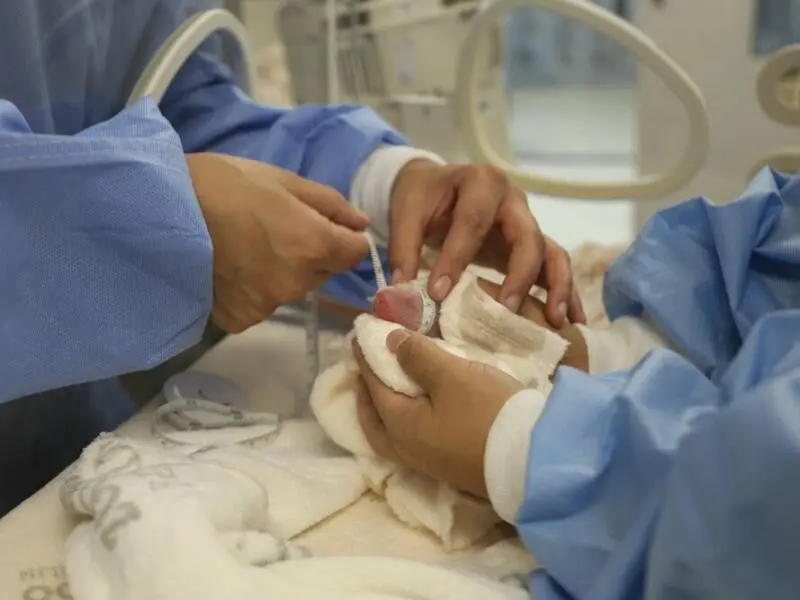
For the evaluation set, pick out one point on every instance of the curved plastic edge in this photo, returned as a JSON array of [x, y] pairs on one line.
[[176, 50], [631, 38]]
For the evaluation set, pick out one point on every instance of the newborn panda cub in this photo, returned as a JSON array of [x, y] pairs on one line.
[[409, 305]]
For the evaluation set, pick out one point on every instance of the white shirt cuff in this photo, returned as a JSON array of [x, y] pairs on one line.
[[372, 186], [506, 456], [620, 346]]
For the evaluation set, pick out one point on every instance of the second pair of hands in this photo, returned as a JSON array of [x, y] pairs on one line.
[[444, 432], [276, 235]]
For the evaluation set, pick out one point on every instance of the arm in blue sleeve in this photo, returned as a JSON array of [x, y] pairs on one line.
[[659, 485], [105, 261], [704, 274], [675, 481], [325, 143]]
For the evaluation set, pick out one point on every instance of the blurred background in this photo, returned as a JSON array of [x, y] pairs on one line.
[[557, 97]]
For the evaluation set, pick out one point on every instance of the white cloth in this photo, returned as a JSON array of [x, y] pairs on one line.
[[170, 524], [159, 550], [473, 326]]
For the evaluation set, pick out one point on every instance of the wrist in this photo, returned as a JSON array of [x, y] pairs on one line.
[[506, 454], [375, 182]]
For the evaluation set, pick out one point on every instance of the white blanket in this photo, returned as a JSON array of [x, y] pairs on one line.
[[173, 523], [167, 522]]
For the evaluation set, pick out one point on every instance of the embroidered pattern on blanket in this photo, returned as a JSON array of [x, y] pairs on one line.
[[167, 526], [473, 326]]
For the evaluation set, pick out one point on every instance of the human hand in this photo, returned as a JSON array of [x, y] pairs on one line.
[[276, 235], [474, 214], [442, 434]]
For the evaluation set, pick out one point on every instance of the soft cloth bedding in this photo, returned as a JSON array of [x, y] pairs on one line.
[[168, 523], [295, 515]]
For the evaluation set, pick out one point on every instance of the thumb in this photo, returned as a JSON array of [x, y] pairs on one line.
[[420, 358], [326, 201]]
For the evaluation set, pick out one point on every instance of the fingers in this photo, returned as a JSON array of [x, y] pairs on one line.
[[371, 424], [526, 249], [345, 249], [576, 313], [327, 202], [556, 278], [479, 199], [405, 242], [370, 379], [414, 199], [422, 360], [531, 308], [396, 411], [327, 247], [336, 243]]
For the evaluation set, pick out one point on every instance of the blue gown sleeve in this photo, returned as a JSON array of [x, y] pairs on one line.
[[325, 143], [105, 261], [676, 480]]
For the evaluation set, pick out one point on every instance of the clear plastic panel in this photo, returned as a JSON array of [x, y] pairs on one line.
[[777, 24], [575, 99]]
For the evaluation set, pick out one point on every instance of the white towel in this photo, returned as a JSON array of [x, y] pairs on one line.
[[165, 526], [165, 522], [473, 326]]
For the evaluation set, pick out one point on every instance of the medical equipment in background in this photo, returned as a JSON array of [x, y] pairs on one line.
[[272, 85], [184, 41], [754, 99], [398, 57], [479, 144], [371, 53], [434, 70]]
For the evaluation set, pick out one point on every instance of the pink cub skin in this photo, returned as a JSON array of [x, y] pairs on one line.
[[401, 304]]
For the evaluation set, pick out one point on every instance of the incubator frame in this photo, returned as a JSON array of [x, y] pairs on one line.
[[628, 36]]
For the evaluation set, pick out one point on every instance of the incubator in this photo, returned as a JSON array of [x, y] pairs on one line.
[[433, 69], [736, 80], [745, 64], [399, 57], [390, 54]]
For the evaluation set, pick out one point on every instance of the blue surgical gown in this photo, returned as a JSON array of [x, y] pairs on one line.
[[105, 261], [680, 479]]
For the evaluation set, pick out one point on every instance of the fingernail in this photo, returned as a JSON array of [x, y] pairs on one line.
[[395, 339], [441, 288], [361, 218], [397, 276], [512, 303], [562, 309]]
